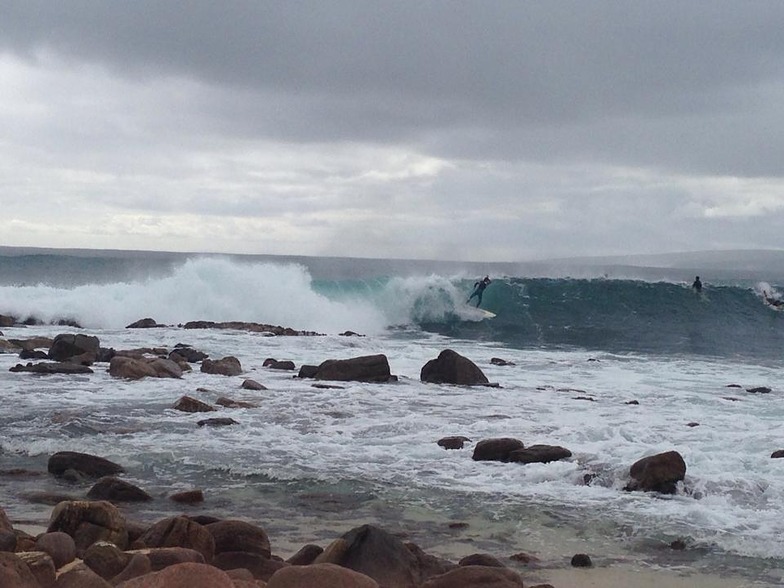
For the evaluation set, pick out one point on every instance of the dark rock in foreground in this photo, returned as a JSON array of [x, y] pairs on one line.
[[452, 368]]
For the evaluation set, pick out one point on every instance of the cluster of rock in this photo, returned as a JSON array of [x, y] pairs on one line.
[[92, 545], [150, 323], [10, 321]]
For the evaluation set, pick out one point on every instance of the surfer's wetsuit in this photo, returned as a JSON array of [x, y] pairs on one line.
[[479, 288]]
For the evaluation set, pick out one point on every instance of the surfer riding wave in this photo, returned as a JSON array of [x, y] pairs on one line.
[[479, 288]]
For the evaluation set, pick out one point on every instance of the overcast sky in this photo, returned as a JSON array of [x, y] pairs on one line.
[[481, 131]]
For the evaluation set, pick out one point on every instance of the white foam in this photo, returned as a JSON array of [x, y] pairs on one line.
[[387, 433]]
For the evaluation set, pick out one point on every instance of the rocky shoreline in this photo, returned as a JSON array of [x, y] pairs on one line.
[[176, 550]]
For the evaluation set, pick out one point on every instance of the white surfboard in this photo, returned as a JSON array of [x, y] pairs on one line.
[[479, 313]]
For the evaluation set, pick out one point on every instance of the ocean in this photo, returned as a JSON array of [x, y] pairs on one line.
[[310, 463]]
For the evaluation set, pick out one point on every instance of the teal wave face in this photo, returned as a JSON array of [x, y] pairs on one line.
[[627, 316]]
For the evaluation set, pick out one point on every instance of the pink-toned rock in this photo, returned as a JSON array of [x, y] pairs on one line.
[[134, 369], [233, 535], [42, 567], [227, 366], [320, 575], [376, 553], [138, 565], [81, 577], [88, 522], [185, 575], [260, 567], [14, 573], [60, 547], [190, 404], [476, 577], [180, 532], [163, 557]]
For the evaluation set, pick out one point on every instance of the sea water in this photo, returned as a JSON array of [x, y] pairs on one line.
[[310, 463]]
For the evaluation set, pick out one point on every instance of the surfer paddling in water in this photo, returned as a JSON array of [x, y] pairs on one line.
[[479, 288]]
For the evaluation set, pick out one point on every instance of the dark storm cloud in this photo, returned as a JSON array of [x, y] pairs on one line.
[[691, 86]]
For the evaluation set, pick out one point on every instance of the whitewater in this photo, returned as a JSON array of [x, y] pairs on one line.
[[614, 369]]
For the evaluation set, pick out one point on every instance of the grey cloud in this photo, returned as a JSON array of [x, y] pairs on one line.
[[612, 81]]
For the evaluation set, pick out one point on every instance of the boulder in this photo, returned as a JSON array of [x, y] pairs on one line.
[[499, 361], [227, 366], [163, 557], [657, 473], [454, 442], [188, 497], [184, 575], [233, 535], [452, 368], [231, 403], [48, 367], [252, 385], [306, 555], [88, 522], [14, 573], [778, 454], [132, 368], [81, 577], [116, 490], [260, 567], [372, 551], [324, 575], [275, 364], [66, 346], [190, 404], [88, 465], [581, 560], [33, 354], [106, 559], [59, 546], [368, 368], [539, 454], [217, 422], [480, 559], [138, 565], [180, 532], [308, 371], [8, 540], [145, 323], [476, 577], [496, 449], [9, 347], [7, 321], [41, 565], [188, 353]]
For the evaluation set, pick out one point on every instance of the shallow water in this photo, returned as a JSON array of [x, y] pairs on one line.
[[310, 463]]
